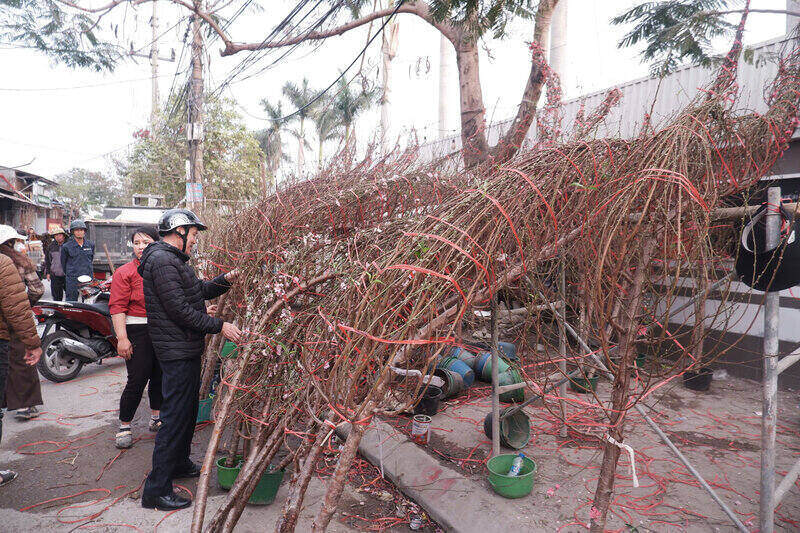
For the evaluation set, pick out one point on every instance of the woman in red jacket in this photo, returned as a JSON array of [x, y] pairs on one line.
[[133, 340]]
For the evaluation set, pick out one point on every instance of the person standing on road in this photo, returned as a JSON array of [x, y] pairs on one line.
[[52, 263], [16, 318], [129, 316], [23, 391], [178, 323], [77, 255]]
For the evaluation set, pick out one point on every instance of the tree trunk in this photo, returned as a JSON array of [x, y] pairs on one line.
[[297, 490], [301, 157], [630, 319], [336, 484], [473, 113], [511, 141]]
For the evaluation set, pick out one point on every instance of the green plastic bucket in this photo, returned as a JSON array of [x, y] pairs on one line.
[[204, 409], [510, 486], [511, 377], [640, 361], [267, 487], [515, 430], [229, 350], [226, 475], [484, 366], [583, 385]]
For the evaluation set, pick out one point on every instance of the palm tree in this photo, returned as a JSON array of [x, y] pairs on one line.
[[349, 104], [302, 98], [270, 139], [328, 126]]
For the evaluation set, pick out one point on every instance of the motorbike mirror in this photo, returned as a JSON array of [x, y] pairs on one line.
[[84, 279]]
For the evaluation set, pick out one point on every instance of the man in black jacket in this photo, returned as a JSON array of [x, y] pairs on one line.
[[178, 323]]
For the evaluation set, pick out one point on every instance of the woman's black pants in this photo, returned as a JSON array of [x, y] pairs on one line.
[[142, 367]]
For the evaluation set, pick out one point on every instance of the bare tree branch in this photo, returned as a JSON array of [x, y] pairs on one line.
[[108, 7], [773, 11], [416, 8]]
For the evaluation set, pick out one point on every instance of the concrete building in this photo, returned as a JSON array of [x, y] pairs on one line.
[[28, 200]]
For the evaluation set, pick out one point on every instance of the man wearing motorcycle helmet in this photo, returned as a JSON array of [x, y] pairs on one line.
[[178, 323], [16, 319], [77, 255]]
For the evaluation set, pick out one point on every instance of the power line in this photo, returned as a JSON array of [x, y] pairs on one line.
[[74, 87], [353, 62], [252, 56]]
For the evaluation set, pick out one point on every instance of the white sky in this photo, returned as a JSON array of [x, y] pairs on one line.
[[63, 118]]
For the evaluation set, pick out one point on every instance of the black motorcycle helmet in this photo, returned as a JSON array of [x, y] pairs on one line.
[[77, 224], [172, 219]]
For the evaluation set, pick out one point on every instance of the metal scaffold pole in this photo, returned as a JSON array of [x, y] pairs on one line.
[[769, 407], [495, 378]]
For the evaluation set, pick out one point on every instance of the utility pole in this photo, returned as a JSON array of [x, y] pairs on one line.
[[389, 44], [194, 126], [446, 54], [154, 59], [154, 66]]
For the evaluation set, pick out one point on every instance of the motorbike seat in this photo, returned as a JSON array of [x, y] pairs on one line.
[[98, 307]]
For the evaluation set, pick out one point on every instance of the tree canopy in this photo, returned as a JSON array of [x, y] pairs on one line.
[[677, 32], [67, 36], [232, 157], [82, 189]]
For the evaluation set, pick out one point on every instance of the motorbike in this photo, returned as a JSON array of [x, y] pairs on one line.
[[76, 333]]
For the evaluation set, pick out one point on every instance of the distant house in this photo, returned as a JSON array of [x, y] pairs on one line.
[[29, 201]]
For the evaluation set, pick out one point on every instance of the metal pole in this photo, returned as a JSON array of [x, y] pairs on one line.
[[495, 382], [195, 112], [769, 405], [562, 347], [657, 429], [787, 483]]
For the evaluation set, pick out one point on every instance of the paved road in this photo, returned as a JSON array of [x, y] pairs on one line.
[[67, 457]]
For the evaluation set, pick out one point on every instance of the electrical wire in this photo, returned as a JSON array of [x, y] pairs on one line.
[[353, 62], [76, 87]]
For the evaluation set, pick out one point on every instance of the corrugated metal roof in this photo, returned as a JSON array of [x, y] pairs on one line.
[[666, 96]]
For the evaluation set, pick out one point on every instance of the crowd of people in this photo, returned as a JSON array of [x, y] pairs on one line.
[[160, 317]]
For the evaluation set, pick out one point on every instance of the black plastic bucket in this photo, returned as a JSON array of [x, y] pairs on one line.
[[453, 383], [700, 380], [429, 403]]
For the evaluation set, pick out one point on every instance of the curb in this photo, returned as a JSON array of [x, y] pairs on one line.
[[455, 501]]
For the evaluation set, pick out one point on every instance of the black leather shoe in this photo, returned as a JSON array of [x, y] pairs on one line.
[[191, 471], [170, 502]]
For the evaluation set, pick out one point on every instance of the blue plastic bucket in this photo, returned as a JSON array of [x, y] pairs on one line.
[[463, 355], [459, 367], [509, 349]]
